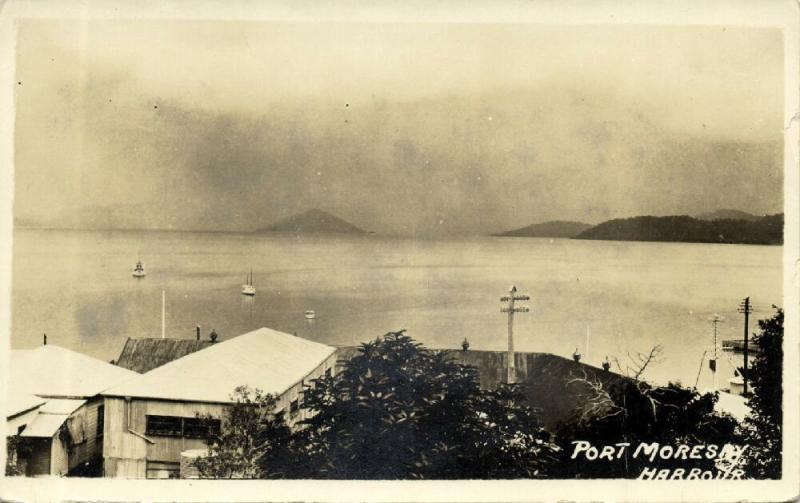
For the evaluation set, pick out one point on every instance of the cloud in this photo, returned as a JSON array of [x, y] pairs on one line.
[[134, 125]]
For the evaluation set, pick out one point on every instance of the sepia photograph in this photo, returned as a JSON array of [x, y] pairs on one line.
[[381, 247]]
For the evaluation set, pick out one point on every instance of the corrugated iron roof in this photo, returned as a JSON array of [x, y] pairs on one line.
[[18, 402], [266, 359], [61, 406], [52, 371], [44, 425], [50, 416], [143, 355]]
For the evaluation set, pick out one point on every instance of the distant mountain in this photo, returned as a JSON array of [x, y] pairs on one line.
[[552, 229], [314, 221], [728, 215], [766, 230]]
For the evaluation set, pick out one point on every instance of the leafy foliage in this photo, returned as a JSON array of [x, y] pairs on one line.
[[635, 412], [253, 442], [17, 451], [400, 411], [763, 428]]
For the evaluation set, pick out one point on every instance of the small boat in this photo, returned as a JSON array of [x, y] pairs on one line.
[[310, 315], [249, 288], [138, 270]]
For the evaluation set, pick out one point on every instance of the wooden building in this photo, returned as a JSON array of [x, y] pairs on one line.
[[152, 419], [50, 418]]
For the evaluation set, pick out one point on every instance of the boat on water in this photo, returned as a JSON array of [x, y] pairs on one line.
[[138, 270], [248, 288], [310, 315]]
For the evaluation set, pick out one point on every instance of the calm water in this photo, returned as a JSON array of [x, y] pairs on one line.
[[77, 287]]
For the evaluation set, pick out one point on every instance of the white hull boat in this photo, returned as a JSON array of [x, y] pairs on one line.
[[249, 288]]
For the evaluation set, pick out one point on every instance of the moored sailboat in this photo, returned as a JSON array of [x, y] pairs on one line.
[[248, 288], [138, 270]]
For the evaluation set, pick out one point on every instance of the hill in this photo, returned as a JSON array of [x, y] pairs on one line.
[[766, 230], [551, 229], [313, 221], [728, 215]]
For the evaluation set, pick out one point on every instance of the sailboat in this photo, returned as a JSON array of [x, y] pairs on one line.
[[138, 270], [249, 288]]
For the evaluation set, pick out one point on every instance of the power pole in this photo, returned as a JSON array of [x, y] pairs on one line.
[[163, 313], [511, 298], [715, 320], [745, 308]]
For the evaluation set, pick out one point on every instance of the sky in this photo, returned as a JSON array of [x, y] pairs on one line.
[[421, 129]]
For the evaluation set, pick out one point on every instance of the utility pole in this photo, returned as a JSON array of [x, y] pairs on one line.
[[745, 308], [511, 298], [163, 313], [713, 363]]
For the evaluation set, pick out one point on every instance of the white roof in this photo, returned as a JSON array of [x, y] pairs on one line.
[[19, 402], [51, 371], [50, 416], [265, 359], [44, 425]]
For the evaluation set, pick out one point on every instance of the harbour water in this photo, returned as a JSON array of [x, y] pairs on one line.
[[602, 298]]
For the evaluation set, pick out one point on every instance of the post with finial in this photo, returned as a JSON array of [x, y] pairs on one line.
[[511, 298]]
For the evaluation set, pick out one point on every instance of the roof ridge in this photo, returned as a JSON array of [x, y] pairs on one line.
[[232, 359]]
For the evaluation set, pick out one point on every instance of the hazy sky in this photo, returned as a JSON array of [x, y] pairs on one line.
[[420, 128]]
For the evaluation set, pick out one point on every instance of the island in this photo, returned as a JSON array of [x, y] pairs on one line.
[[551, 229], [726, 214], [313, 221], [767, 230]]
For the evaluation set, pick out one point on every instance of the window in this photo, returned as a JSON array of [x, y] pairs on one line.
[[163, 470], [189, 427], [164, 425], [101, 420], [294, 407], [328, 372], [196, 427]]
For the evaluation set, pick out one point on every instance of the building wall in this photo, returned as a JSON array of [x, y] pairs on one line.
[[296, 391], [128, 455], [59, 458], [38, 463], [14, 423], [87, 440]]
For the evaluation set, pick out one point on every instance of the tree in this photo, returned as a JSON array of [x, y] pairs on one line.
[[17, 451], [398, 410], [636, 412], [763, 429], [252, 442]]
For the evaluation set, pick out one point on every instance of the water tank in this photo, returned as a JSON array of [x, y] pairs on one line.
[[188, 470]]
